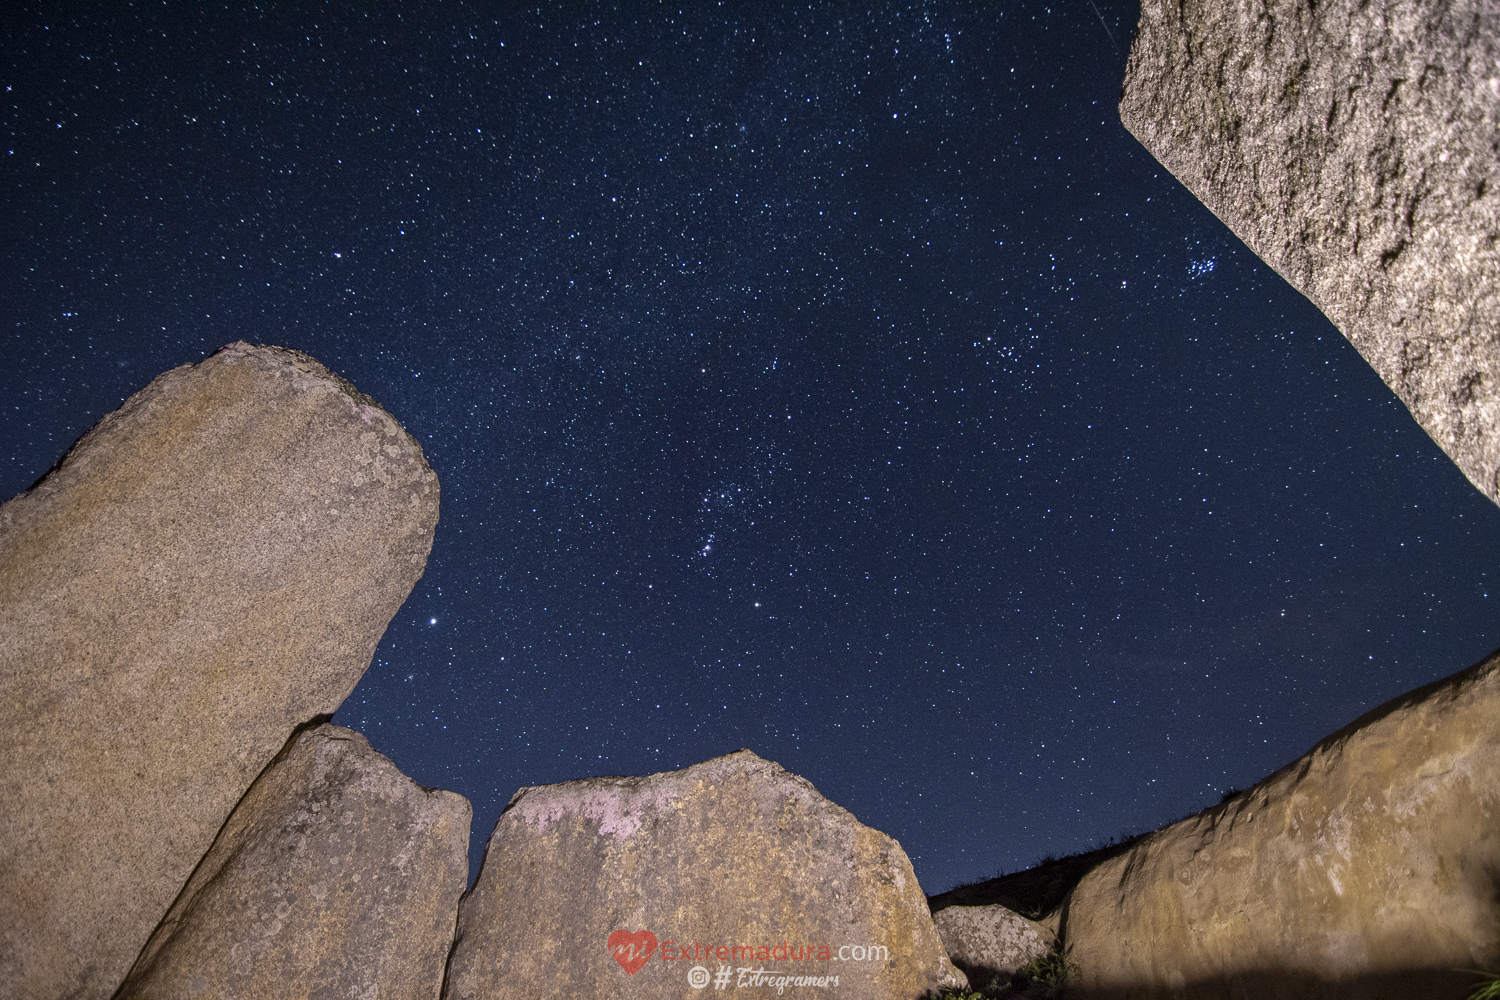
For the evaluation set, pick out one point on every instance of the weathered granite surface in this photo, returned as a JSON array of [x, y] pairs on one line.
[[986, 942], [1368, 868], [211, 566], [646, 887], [1355, 146], [336, 876]]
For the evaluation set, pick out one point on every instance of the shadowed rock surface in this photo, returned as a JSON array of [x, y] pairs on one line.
[[1355, 147], [336, 876], [989, 941], [620, 887], [209, 567], [1368, 868]]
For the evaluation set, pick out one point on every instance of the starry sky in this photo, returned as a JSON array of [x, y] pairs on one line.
[[845, 385]]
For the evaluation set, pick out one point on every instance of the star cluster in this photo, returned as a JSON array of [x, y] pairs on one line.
[[845, 385]]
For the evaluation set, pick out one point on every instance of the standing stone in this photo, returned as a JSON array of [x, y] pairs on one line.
[[729, 875], [209, 567], [336, 876], [990, 942], [1365, 869], [1355, 147]]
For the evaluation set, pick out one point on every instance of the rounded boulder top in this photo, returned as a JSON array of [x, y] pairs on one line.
[[209, 567]]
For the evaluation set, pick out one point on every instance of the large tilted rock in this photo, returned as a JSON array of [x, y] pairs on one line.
[[649, 887], [336, 876], [1354, 146], [208, 568], [990, 942], [1365, 869]]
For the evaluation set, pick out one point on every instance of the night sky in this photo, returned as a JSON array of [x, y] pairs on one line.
[[847, 386]]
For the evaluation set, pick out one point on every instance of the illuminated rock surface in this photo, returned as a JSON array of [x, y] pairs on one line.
[[1364, 869], [1356, 148], [335, 876], [623, 887], [992, 941], [211, 566]]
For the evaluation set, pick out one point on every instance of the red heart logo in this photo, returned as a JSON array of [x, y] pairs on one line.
[[631, 949]]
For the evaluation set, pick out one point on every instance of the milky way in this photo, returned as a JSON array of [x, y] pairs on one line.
[[846, 386]]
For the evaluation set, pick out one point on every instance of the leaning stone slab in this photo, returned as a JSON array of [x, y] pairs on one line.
[[990, 942], [731, 877], [209, 567], [1364, 869], [336, 876], [1356, 148]]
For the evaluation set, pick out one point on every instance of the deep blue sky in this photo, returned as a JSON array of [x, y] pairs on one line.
[[846, 386]]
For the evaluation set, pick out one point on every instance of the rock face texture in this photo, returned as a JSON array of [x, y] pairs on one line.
[[208, 568], [990, 941], [335, 876], [731, 870], [1355, 147], [1368, 868]]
